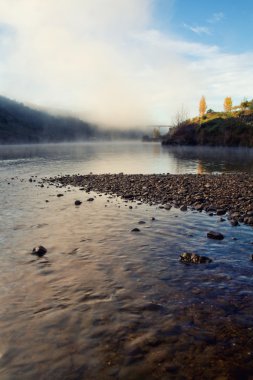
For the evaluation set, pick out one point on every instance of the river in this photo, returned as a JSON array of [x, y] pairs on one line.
[[105, 303]]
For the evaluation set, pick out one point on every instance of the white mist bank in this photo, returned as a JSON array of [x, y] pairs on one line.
[[108, 62]]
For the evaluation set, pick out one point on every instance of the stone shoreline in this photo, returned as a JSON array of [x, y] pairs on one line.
[[230, 194]]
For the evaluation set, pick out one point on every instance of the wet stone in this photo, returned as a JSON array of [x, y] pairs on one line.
[[221, 212], [194, 258], [39, 251], [215, 235]]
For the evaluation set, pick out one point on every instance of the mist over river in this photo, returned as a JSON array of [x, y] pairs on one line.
[[105, 303]]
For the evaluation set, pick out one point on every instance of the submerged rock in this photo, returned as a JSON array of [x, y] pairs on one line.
[[39, 251], [215, 235], [135, 230], [194, 258]]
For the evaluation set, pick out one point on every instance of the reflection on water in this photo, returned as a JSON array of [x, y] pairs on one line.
[[213, 160], [105, 303], [131, 157]]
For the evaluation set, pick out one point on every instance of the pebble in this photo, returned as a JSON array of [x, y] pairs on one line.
[[215, 235], [39, 251]]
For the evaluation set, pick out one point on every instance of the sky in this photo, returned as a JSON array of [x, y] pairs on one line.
[[126, 63]]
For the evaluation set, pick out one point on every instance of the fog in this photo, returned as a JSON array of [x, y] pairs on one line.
[[108, 62]]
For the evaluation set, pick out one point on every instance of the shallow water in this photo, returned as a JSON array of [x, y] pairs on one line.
[[105, 303]]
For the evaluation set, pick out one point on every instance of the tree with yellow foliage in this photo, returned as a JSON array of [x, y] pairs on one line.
[[202, 106], [228, 104]]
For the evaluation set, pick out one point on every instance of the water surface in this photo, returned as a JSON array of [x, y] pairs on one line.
[[105, 303]]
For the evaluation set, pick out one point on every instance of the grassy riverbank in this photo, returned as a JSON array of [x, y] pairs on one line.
[[214, 129]]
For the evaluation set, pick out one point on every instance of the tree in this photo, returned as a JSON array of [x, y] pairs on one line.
[[245, 104], [180, 117], [228, 104], [202, 106], [156, 133]]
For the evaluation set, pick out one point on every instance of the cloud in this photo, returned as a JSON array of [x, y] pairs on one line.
[[107, 61], [216, 17], [198, 29]]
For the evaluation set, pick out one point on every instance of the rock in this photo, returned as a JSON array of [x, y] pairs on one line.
[[141, 222], [39, 251], [30, 180], [248, 220], [78, 203], [59, 195], [128, 196], [153, 218], [167, 207], [222, 220], [90, 199], [194, 258], [183, 208], [215, 235], [130, 207], [221, 211], [135, 230], [251, 257], [234, 223], [199, 207]]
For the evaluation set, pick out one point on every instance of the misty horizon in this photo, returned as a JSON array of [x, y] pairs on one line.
[[122, 63]]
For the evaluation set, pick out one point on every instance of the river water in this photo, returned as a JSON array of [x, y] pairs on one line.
[[105, 303]]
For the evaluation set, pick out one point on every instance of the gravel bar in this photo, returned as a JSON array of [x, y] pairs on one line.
[[220, 194]]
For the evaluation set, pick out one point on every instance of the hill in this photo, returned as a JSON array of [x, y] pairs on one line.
[[214, 129], [23, 124]]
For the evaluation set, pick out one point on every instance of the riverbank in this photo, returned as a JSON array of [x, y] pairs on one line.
[[226, 194], [214, 129]]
